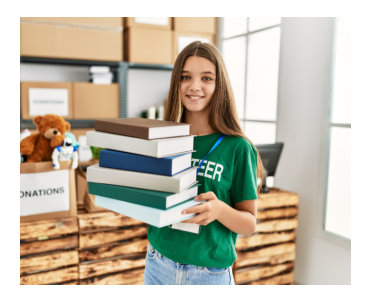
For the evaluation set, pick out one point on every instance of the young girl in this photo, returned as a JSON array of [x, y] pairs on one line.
[[201, 95]]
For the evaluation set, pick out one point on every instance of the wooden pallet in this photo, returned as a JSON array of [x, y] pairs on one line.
[[112, 249], [49, 252], [268, 256]]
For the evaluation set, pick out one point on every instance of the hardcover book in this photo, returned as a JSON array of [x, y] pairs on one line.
[[156, 217], [142, 127], [149, 198], [156, 148], [173, 184], [169, 165]]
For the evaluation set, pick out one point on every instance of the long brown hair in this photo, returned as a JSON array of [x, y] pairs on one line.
[[223, 116]]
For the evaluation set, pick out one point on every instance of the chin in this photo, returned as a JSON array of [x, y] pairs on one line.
[[194, 108]]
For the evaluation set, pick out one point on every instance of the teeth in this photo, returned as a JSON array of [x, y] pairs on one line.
[[195, 97]]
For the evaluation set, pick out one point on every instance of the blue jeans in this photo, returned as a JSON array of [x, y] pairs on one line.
[[160, 270]]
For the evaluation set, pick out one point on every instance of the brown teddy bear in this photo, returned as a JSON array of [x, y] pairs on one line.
[[39, 146]]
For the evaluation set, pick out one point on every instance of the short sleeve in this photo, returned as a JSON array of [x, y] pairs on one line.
[[244, 183]]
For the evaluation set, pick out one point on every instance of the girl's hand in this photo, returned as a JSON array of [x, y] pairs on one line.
[[205, 212]]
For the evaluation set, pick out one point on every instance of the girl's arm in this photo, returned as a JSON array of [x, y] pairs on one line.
[[241, 220]]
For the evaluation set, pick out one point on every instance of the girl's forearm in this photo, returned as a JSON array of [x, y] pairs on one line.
[[240, 222]]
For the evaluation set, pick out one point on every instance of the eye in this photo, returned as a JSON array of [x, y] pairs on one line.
[[207, 79], [184, 77]]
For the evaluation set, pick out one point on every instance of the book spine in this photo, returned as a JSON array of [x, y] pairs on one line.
[[134, 162], [127, 130], [142, 213], [132, 179], [122, 143], [125, 194], [155, 217]]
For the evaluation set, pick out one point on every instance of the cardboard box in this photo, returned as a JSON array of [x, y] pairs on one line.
[[206, 25], [83, 197], [92, 21], [147, 46], [92, 101], [47, 193], [148, 22], [46, 97], [182, 39], [69, 41]]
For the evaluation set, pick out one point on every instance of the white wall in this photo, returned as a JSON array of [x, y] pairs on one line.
[[147, 88], [53, 73], [304, 96]]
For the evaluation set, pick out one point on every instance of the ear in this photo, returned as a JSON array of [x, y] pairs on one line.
[[68, 126], [37, 119]]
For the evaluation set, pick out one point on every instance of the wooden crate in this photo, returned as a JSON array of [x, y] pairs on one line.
[[49, 251], [112, 249], [268, 255]]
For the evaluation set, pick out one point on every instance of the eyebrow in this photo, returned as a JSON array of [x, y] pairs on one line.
[[204, 72]]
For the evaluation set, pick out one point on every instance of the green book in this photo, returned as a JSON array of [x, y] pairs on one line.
[[149, 198]]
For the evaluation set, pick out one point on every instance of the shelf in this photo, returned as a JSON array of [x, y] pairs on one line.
[[150, 66], [38, 60], [120, 75], [74, 124]]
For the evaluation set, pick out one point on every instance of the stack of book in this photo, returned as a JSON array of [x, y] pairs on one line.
[[144, 170], [100, 75]]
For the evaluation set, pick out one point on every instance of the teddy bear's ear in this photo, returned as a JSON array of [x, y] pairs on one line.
[[37, 119], [68, 126]]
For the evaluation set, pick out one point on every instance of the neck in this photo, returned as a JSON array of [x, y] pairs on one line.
[[199, 123]]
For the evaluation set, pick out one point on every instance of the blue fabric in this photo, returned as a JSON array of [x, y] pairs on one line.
[[160, 270]]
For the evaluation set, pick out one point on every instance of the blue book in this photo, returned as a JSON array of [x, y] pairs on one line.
[[156, 217], [140, 163]]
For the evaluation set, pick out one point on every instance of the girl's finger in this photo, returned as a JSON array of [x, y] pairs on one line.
[[205, 196], [196, 219], [194, 209]]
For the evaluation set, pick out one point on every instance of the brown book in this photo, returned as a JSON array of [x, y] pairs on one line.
[[142, 127]]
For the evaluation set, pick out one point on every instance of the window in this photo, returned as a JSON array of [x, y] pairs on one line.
[[250, 48], [337, 195]]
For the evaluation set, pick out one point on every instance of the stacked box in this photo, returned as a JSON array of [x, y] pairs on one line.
[[49, 252], [189, 29], [91, 38], [93, 101], [39, 98], [45, 192], [71, 100], [147, 40], [268, 255], [111, 249]]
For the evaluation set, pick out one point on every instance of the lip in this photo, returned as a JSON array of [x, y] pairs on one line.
[[194, 97]]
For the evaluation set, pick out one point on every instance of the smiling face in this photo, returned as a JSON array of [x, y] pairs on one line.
[[197, 84]]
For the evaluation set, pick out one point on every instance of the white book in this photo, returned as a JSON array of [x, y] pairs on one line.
[[102, 75], [156, 217], [174, 184], [99, 69], [156, 148], [101, 81]]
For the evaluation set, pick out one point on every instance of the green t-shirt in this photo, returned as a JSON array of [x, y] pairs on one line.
[[230, 172]]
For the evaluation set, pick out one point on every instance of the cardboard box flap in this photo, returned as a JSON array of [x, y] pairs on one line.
[[44, 166]]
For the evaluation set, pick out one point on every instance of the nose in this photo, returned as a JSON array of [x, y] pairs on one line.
[[195, 85]]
